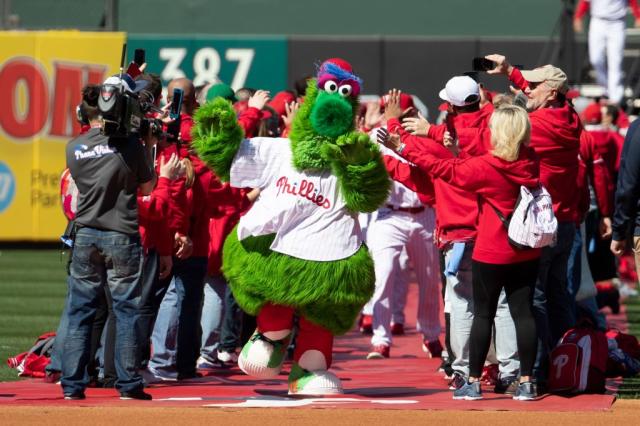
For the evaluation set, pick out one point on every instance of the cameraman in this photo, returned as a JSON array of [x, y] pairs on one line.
[[108, 171]]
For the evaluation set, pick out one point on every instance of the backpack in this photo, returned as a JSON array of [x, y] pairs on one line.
[[532, 223], [579, 362], [33, 362]]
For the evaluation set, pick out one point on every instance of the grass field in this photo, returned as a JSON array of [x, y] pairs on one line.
[[32, 291]]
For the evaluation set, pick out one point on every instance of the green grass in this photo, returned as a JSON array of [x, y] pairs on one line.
[[630, 388], [32, 292]]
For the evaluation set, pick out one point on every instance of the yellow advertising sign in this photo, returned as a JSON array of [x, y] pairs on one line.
[[41, 77]]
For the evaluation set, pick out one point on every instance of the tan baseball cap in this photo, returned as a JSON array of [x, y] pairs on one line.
[[553, 76]]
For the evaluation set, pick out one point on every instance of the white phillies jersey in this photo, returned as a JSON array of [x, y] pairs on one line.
[[610, 10], [400, 195], [304, 209]]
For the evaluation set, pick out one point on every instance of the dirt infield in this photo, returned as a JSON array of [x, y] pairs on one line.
[[623, 413]]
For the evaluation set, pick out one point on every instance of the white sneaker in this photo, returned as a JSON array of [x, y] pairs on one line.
[[228, 357], [262, 357], [313, 383], [204, 364]]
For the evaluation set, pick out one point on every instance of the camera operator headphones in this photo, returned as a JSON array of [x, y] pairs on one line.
[[81, 114]]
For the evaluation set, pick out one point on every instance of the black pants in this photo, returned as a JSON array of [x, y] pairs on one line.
[[518, 280]]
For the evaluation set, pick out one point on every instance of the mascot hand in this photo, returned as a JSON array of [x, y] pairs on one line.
[[352, 148]]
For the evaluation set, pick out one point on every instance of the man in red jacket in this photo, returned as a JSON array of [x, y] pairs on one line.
[[555, 137]]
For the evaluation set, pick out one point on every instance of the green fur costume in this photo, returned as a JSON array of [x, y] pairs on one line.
[[328, 293]]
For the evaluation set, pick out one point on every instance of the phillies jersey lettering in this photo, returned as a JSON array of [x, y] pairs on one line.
[[306, 190], [304, 209]]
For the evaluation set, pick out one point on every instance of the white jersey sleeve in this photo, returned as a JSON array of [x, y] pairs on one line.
[[257, 161]]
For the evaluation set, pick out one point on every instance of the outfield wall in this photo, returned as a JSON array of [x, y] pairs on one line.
[[41, 74]]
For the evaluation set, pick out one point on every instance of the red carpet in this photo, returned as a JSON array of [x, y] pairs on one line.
[[408, 380]]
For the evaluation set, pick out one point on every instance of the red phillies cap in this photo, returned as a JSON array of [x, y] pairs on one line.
[[280, 100], [592, 114], [406, 101]]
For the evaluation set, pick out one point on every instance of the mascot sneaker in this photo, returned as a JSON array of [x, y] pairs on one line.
[[313, 383], [262, 357]]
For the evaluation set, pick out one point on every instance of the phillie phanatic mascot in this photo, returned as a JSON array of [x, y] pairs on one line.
[[299, 250]]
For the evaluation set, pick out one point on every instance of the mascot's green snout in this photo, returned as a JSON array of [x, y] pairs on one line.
[[332, 114]]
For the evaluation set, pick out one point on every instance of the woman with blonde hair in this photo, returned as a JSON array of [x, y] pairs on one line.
[[496, 177]]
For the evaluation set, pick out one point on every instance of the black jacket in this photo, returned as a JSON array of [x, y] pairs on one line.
[[627, 204]]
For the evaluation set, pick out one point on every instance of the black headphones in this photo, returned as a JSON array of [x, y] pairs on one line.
[[81, 114]]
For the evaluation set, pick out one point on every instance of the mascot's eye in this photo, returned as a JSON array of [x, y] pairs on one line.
[[345, 90], [331, 86]]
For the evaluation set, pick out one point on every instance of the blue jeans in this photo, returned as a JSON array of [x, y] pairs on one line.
[[553, 305], [212, 313], [165, 333], [177, 329], [118, 257]]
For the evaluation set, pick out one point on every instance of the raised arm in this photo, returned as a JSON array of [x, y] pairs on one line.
[[217, 136]]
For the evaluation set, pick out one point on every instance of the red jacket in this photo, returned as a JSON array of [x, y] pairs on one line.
[[413, 178], [229, 204], [495, 181], [152, 218], [555, 137], [468, 120], [598, 153], [456, 208], [249, 119]]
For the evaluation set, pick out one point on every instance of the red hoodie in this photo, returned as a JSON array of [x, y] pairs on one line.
[[599, 167], [413, 178], [230, 204], [467, 120], [456, 208], [495, 181], [152, 217], [555, 137]]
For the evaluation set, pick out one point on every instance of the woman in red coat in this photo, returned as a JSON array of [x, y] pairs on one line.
[[496, 177]]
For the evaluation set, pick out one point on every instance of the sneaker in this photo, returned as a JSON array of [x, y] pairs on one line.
[[457, 381], [432, 348], [445, 367], [74, 396], [151, 375], [468, 391], [228, 357], [188, 376], [136, 394], [52, 377], [507, 385], [397, 329], [313, 383], [378, 352], [365, 324], [525, 392], [262, 357], [206, 365]]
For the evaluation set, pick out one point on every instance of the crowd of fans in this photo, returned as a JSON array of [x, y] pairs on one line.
[[454, 180]]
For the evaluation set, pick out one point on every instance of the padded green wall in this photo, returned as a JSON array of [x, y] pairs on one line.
[[304, 17]]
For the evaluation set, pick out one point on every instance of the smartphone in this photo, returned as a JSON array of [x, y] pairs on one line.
[[451, 128], [482, 64], [139, 57], [176, 104]]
